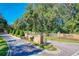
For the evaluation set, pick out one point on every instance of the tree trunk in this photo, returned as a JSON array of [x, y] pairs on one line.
[[41, 38]]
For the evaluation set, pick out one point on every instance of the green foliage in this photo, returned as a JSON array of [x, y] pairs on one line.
[[21, 33], [3, 47], [47, 46], [10, 31], [17, 32], [3, 24], [55, 18], [13, 32]]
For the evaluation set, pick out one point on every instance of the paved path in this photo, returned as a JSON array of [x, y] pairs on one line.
[[65, 49], [19, 47], [76, 54]]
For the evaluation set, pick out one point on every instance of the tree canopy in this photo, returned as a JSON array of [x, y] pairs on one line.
[[50, 18], [3, 24]]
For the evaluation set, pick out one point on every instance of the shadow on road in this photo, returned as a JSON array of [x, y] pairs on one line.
[[18, 47]]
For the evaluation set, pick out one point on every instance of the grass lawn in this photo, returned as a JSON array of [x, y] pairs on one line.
[[62, 39], [3, 47]]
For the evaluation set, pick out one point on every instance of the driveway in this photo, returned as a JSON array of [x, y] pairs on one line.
[[19, 47]]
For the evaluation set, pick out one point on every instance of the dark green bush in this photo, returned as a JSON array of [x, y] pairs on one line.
[[41, 46], [1, 30], [17, 32], [21, 33], [10, 31], [13, 32]]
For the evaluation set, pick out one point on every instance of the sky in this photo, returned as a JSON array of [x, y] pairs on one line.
[[12, 11]]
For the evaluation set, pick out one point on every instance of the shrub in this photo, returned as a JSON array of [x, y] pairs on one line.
[[21, 33], [10, 31], [13, 32], [51, 48], [17, 32], [35, 44], [41, 46]]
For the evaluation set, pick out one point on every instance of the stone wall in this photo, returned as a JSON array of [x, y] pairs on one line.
[[28, 36], [36, 38], [70, 36], [67, 36]]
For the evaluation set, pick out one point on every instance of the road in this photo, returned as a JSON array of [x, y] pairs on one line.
[[66, 49], [19, 47]]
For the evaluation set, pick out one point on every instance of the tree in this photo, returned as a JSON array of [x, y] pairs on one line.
[[48, 18], [3, 24]]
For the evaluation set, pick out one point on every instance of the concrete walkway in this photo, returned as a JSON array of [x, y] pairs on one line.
[[19, 47]]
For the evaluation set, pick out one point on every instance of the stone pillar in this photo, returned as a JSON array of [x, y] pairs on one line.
[[29, 36], [38, 39], [26, 36]]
